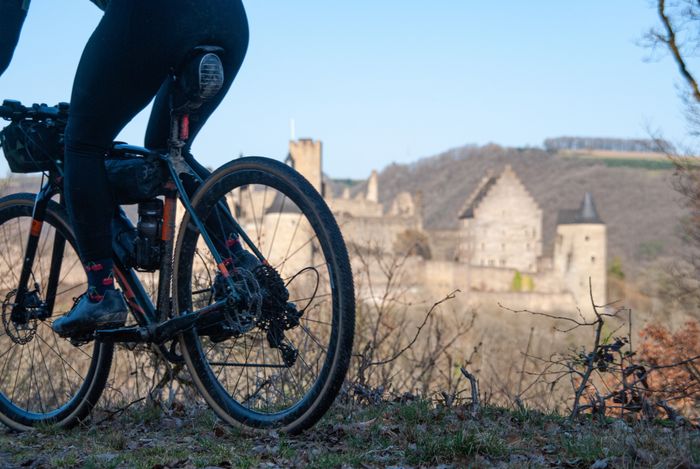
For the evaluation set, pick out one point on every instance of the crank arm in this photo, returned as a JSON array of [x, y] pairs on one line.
[[168, 330]]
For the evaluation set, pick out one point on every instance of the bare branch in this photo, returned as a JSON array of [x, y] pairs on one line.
[[671, 41]]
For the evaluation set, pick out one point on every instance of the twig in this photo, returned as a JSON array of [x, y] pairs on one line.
[[415, 337], [474, 383], [113, 413]]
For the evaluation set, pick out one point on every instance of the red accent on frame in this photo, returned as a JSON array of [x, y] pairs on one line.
[[168, 219], [36, 228], [185, 127], [223, 270], [128, 292]]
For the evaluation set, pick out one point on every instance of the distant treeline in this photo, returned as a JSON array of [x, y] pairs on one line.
[[607, 144]]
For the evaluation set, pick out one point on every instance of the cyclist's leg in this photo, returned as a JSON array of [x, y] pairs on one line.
[[119, 72], [12, 15], [112, 84], [232, 36]]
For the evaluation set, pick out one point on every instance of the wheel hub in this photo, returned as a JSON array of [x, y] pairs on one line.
[[20, 321]]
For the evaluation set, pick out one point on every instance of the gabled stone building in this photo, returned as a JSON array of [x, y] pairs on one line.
[[501, 225]]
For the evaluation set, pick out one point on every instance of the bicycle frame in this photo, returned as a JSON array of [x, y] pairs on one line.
[[156, 323]]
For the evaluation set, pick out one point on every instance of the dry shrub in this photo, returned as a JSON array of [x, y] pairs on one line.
[[660, 348], [610, 378], [403, 348]]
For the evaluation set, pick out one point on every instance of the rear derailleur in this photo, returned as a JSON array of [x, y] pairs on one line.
[[277, 314], [267, 307]]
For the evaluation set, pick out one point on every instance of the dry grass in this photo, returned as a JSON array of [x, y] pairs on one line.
[[413, 434]]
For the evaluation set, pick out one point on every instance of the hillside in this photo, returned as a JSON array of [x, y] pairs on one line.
[[638, 204]]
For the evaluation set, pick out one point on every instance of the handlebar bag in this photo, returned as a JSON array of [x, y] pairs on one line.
[[31, 147]]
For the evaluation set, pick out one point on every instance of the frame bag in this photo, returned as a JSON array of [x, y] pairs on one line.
[[135, 179]]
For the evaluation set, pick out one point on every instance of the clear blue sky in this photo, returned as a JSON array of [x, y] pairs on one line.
[[380, 81]]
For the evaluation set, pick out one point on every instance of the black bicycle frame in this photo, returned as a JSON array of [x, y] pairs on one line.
[[156, 322]]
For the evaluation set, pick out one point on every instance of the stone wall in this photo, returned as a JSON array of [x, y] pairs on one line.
[[355, 207], [375, 232], [480, 288]]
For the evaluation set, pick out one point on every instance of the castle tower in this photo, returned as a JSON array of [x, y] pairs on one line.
[[373, 187], [580, 253], [306, 156]]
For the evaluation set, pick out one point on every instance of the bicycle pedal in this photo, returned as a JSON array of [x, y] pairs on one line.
[[123, 334], [81, 340]]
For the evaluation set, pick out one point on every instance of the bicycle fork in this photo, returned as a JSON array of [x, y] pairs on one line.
[[27, 297]]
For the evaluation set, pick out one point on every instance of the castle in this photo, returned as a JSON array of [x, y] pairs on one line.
[[496, 255]]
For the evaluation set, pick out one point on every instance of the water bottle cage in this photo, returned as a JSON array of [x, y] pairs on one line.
[[148, 245]]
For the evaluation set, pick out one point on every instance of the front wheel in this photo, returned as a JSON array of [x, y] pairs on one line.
[[281, 369], [44, 379]]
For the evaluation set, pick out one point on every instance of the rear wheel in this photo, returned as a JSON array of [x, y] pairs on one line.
[[44, 379], [283, 367]]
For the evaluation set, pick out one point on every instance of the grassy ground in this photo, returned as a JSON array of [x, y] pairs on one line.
[[406, 435]]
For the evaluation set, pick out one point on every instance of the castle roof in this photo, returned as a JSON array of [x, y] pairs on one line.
[[586, 213], [477, 196], [486, 185]]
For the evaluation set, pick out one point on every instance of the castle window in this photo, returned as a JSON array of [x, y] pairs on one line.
[[483, 246], [588, 238], [592, 259], [503, 262], [492, 262], [503, 247], [527, 246]]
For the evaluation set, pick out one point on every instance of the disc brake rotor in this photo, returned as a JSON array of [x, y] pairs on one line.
[[23, 332]]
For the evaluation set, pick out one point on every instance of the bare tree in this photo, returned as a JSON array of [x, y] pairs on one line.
[[678, 34]]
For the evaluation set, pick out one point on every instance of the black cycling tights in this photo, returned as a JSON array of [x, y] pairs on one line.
[[124, 65]]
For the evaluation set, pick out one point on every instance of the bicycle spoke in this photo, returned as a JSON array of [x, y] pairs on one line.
[[277, 224]]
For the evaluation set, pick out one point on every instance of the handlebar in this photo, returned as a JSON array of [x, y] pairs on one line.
[[14, 110]]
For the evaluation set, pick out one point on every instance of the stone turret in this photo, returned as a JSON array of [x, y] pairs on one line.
[[580, 253], [306, 156], [373, 187]]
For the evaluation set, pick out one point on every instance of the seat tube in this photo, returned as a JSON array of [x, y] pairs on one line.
[[166, 262]]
